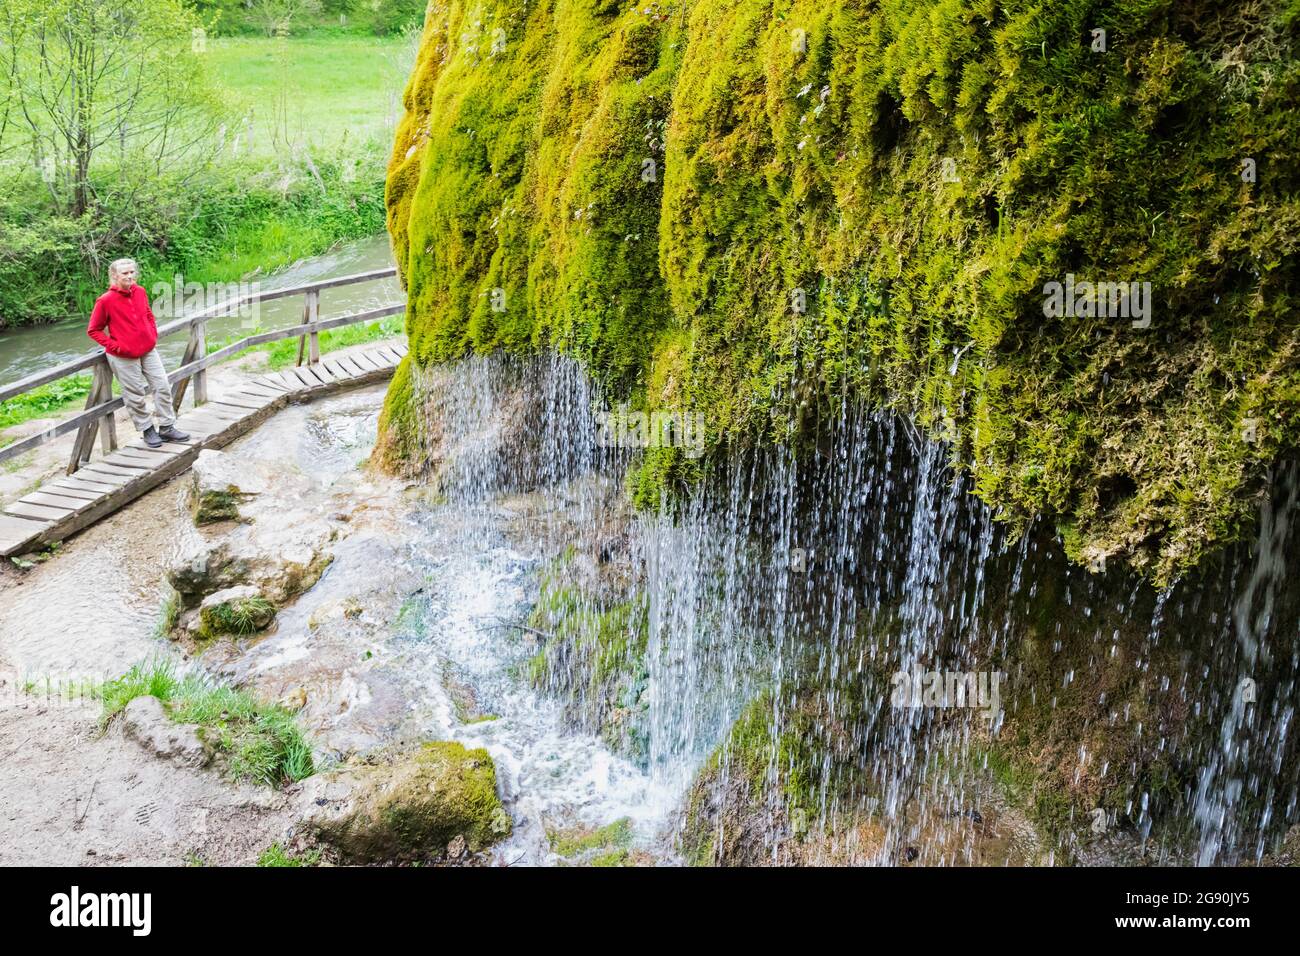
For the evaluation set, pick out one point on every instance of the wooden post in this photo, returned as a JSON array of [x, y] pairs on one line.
[[101, 390], [310, 312], [192, 347], [108, 437], [200, 334]]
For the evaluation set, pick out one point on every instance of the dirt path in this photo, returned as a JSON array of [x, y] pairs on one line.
[[71, 795]]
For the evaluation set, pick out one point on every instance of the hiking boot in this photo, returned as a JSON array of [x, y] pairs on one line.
[[170, 433], [151, 437]]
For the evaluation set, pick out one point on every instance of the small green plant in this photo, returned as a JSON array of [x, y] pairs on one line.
[[276, 855], [168, 614], [262, 741], [609, 839]]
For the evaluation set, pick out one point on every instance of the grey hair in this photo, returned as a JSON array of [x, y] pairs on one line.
[[116, 265]]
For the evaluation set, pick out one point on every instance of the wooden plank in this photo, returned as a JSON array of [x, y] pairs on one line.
[[305, 379], [391, 354], [105, 476], [324, 374], [338, 371], [401, 348], [274, 384], [314, 372], [64, 501], [16, 534], [81, 482], [288, 381], [243, 401], [129, 464], [146, 457], [166, 448], [347, 362], [128, 468], [365, 361], [21, 509], [224, 410], [259, 390], [63, 491]]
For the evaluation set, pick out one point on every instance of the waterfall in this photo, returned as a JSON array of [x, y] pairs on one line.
[[796, 592]]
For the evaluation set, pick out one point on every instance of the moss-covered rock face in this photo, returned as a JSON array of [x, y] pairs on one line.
[[754, 208], [408, 807]]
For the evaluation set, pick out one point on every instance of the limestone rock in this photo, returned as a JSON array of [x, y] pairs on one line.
[[146, 722], [280, 562], [218, 486], [408, 806]]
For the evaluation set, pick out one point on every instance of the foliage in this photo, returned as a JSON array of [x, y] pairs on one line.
[[44, 400]]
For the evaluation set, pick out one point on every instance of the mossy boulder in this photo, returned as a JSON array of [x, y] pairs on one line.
[[239, 610], [408, 806]]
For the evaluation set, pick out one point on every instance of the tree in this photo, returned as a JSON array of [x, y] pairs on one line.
[[111, 83], [279, 16]]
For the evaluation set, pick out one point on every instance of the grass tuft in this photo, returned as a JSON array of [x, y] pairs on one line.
[[262, 741]]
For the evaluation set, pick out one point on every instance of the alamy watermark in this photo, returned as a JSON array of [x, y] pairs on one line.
[[178, 297], [973, 690], [1081, 298], [622, 428]]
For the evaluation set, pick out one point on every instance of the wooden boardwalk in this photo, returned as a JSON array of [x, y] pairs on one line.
[[69, 503]]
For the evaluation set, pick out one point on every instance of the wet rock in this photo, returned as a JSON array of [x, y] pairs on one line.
[[218, 486], [295, 700], [242, 609], [456, 848], [281, 563], [407, 806], [146, 722], [347, 609]]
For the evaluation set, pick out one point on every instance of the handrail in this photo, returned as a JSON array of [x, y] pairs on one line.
[[194, 363], [73, 366]]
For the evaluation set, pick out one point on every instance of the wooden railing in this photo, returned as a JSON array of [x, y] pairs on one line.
[[100, 403]]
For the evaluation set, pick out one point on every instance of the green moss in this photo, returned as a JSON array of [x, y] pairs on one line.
[[464, 803], [574, 841], [769, 775], [213, 506], [520, 169], [397, 449]]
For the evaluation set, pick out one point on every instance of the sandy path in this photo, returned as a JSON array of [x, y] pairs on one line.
[[69, 795]]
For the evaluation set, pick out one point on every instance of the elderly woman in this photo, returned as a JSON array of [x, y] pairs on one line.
[[123, 323]]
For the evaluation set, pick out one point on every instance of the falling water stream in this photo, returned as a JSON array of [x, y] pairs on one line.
[[804, 581]]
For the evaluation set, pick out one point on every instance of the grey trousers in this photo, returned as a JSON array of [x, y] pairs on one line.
[[139, 377]]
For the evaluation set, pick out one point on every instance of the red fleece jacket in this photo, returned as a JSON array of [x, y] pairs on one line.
[[132, 331]]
